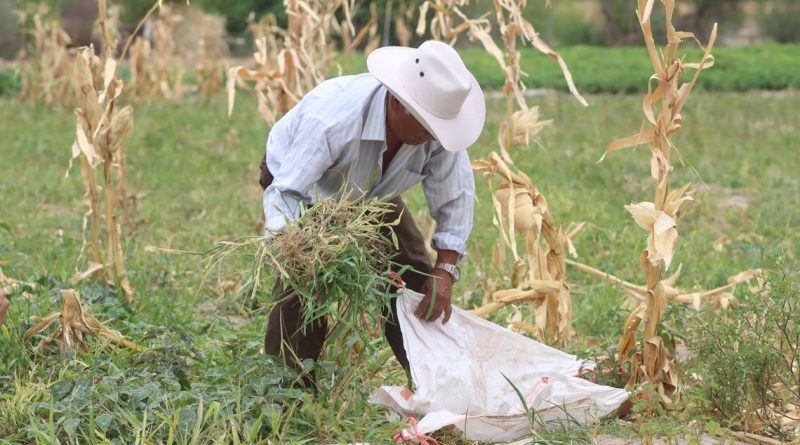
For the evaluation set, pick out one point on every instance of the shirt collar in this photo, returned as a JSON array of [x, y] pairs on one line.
[[375, 123]]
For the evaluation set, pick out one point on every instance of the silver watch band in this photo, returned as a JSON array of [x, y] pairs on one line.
[[452, 269]]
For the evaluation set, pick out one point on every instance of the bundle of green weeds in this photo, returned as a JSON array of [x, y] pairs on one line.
[[336, 259]]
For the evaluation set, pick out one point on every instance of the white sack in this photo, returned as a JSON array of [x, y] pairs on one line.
[[458, 373]]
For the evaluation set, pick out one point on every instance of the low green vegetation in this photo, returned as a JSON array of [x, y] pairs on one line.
[[195, 175], [622, 69], [603, 69]]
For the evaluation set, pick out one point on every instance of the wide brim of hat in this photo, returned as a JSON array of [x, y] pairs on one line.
[[454, 134]]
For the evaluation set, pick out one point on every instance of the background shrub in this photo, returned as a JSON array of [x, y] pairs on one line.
[[780, 20]]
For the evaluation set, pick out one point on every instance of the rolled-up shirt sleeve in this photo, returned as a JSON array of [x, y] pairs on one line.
[[449, 187], [298, 164]]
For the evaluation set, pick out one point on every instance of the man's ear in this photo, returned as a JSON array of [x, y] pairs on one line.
[[395, 104]]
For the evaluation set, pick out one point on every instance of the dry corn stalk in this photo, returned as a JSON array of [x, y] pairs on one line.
[[540, 279], [153, 64], [289, 62], [520, 125], [443, 22], [73, 324], [101, 131], [9, 285], [404, 16], [650, 362], [209, 71], [45, 59], [351, 40]]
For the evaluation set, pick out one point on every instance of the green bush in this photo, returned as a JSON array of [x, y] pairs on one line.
[[9, 82], [570, 27], [746, 359]]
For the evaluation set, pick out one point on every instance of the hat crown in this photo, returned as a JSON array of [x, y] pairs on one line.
[[437, 79]]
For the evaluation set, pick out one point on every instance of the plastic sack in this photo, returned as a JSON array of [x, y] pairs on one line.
[[460, 370]]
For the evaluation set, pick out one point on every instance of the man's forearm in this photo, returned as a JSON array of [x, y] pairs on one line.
[[447, 256]]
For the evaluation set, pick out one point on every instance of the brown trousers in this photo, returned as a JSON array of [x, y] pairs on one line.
[[285, 339]]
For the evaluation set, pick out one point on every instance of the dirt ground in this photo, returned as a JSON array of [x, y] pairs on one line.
[[704, 440]]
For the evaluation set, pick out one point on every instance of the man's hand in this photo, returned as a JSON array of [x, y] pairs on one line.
[[436, 302]]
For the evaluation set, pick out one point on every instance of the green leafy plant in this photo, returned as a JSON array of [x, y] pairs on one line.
[[747, 363]]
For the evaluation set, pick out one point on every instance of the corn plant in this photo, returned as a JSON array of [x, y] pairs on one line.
[[666, 96], [540, 278], [209, 70], [352, 39], [404, 16], [102, 129], [45, 58], [153, 64], [289, 62], [521, 122]]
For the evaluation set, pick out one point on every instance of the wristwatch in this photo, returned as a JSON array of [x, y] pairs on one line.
[[452, 269]]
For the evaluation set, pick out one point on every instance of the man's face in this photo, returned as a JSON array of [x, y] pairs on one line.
[[404, 125]]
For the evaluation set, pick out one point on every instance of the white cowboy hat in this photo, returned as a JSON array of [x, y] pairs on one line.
[[436, 88]]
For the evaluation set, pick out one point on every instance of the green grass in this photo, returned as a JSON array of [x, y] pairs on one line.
[[197, 170], [624, 69]]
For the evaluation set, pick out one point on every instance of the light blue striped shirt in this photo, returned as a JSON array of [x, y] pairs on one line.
[[332, 143]]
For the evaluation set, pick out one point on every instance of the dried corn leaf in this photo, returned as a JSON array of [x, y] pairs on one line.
[[521, 128], [91, 270], [74, 322]]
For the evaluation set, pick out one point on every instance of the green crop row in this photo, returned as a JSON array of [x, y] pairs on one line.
[[626, 69]]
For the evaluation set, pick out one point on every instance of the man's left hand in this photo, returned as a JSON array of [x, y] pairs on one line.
[[437, 290]]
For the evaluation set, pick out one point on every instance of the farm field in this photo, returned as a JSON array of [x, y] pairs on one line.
[[193, 172]]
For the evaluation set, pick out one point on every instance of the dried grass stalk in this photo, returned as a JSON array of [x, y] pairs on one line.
[[101, 132], [73, 324], [650, 362]]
